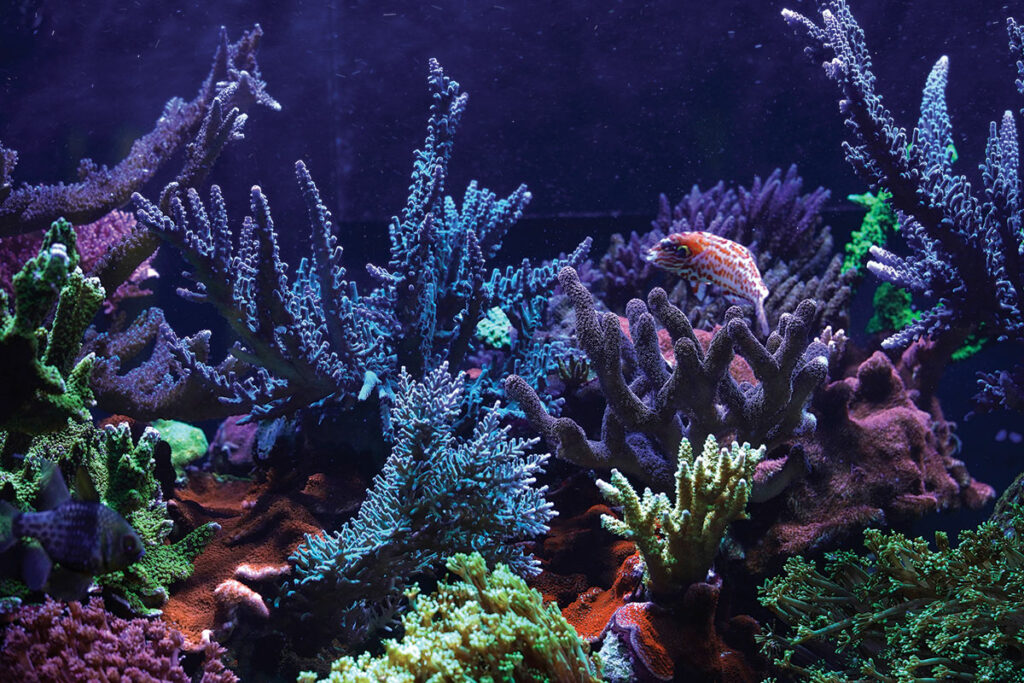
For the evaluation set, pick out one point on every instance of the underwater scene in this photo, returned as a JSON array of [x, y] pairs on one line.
[[360, 340]]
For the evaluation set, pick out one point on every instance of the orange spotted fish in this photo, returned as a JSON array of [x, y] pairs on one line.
[[703, 257]]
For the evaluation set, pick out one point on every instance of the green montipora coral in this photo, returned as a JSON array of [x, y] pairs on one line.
[[486, 627], [678, 542]]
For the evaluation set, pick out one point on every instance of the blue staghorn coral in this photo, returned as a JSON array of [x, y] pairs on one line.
[[315, 337], [965, 245], [437, 495]]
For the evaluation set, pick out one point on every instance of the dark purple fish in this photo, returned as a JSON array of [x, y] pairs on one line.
[[82, 536]]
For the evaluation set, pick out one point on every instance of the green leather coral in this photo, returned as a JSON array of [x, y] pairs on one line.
[[44, 386], [485, 627], [678, 542], [904, 611]]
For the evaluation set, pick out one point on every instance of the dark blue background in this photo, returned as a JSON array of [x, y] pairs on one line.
[[597, 105]]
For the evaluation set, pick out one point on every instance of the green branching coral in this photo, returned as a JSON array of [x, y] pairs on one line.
[[145, 585], [40, 338], [678, 543], [488, 626], [905, 612], [123, 473], [879, 222]]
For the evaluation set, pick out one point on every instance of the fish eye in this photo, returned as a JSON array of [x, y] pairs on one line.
[[682, 250], [128, 544]]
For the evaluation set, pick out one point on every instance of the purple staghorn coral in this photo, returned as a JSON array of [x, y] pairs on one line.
[[234, 81], [651, 407], [780, 225]]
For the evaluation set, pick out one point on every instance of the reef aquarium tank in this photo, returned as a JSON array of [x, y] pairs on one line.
[[533, 341]]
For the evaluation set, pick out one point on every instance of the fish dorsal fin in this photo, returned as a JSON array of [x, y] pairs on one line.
[[53, 492], [84, 486]]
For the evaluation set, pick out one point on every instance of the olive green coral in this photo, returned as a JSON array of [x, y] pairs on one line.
[[41, 337], [678, 543], [486, 627], [904, 611]]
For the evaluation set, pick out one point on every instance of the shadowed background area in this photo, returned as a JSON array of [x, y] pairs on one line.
[[597, 106]]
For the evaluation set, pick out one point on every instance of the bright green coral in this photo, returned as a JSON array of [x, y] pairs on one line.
[[678, 543], [145, 585], [486, 627], [44, 385], [187, 443], [878, 224], [496, 329], [893, 309], [905, 611]]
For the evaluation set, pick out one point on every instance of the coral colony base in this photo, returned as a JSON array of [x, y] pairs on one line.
[[378, 503]]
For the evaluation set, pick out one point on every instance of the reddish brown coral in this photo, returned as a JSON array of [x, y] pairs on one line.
[[258, 527], [75, 642], [682, 644], [875, 458], [593, 609]]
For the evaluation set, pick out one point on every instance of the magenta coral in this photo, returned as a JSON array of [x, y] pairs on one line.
[[94, 241], [59, 641]]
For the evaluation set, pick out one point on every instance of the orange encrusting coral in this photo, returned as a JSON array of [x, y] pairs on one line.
[[258, 527]]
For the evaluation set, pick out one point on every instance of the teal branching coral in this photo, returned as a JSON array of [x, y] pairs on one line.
[[439, 494], [904, 611], [496, 329], [678, 543], [44, 386], [488, 626], [879, 222]]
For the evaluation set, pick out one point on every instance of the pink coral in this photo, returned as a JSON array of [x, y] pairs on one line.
[[94, 241], [74, 642], [684, 644], [876, 458]]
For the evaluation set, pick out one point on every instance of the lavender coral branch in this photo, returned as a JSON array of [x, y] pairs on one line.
[[234, 81]]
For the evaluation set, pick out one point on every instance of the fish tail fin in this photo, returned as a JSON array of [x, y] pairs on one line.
[[8, 513], [762, 319]]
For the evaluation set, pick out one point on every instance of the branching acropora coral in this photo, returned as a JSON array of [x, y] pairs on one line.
[[906, 612], [44, 384], [488, 626], [679, 542]]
